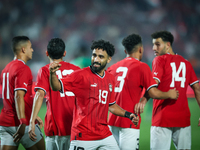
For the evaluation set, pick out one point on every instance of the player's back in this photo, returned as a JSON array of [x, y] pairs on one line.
[[59, 105], [173, 71], [15, 76], [127, 81], [131, 76], [176, 72]]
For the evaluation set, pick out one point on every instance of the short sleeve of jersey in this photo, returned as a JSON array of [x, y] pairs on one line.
[[22, 78], [193, 78], [158, 68], [72, 82], [42, 80], [147, 78]]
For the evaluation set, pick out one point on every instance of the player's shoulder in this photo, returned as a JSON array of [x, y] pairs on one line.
[[109, 74], [69, 65], [44, 69]]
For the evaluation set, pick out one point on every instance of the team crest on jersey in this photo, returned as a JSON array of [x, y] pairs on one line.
[[110, 87]]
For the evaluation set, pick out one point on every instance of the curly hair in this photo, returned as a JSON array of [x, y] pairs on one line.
[[164, 35], [131, 42], [56, 48], [105, 45]]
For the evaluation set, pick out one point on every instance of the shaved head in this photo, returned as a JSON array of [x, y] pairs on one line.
[[18, 42]]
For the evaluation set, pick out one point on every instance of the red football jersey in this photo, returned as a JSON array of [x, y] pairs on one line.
[[60, 106], [131, 76], [15, 76], [172, 71], [93, 96]]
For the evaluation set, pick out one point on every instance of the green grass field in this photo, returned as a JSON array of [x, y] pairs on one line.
[[146, 123]]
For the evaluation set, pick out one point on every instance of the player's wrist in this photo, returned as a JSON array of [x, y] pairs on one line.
[[128, 115], [22, 121]]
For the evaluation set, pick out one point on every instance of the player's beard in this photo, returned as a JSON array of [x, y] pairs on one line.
[[100, 68]]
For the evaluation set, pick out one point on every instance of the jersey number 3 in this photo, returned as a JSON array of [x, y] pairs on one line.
[[176, 75], [124, 71]]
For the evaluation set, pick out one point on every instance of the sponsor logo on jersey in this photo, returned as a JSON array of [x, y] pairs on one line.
[[94, 85], [156, 73], [25, 84], [110, 87]]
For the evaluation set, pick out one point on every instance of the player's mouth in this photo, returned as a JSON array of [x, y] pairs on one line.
[[155, 53], [96, 64]]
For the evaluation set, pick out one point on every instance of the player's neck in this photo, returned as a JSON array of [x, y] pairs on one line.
[[21, 57], [134, 55], [57, 60]]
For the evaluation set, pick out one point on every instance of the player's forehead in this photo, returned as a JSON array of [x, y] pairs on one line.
[[99, 51], [157, 41]]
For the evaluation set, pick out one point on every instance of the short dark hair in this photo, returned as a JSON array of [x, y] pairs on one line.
[[105, 45], [17, 40], [56, 48], [164, 35], [131, 42]]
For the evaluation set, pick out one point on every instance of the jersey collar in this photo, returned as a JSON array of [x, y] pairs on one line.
[[21, 61], [97, 73]]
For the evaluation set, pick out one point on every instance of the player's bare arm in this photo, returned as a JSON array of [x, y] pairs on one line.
[[20, 109], [118, 111], [157, 94], [196, 89], [54, 82], [139, 107], [172, 94], [37, 103]]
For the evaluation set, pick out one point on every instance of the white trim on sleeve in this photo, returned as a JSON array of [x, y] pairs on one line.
[[62, 89], [40, 89], [154, 85], [157, 79], [194, 82]]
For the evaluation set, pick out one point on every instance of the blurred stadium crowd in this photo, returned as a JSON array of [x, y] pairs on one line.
[[79, 22]]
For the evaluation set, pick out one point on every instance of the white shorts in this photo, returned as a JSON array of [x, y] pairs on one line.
[[6, 134], [57, 142], [108, 143], [127, 138], [161, 138]]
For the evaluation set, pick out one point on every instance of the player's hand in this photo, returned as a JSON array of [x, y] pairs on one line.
[[31, 131], [174, 94], [54, 66], [139, 107], [40, 122], [134, 119], [199, 122], [20, 132]]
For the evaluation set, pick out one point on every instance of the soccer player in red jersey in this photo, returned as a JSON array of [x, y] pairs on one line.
[[60, 106], [16, 79], [171, 118], [131, 76], [94, 91]]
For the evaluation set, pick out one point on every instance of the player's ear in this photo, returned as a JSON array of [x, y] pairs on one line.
[[168, 45], [47, 53], [23, 49], [140, 50], [109, 59], [64, 54], [125, 51]]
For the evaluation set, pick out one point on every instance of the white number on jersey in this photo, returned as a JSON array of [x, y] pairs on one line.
[[5, 76], [104, 95], [64, 73], [124, 71], [176, 75]]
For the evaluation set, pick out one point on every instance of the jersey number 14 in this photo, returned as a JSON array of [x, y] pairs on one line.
[[176, 74]]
